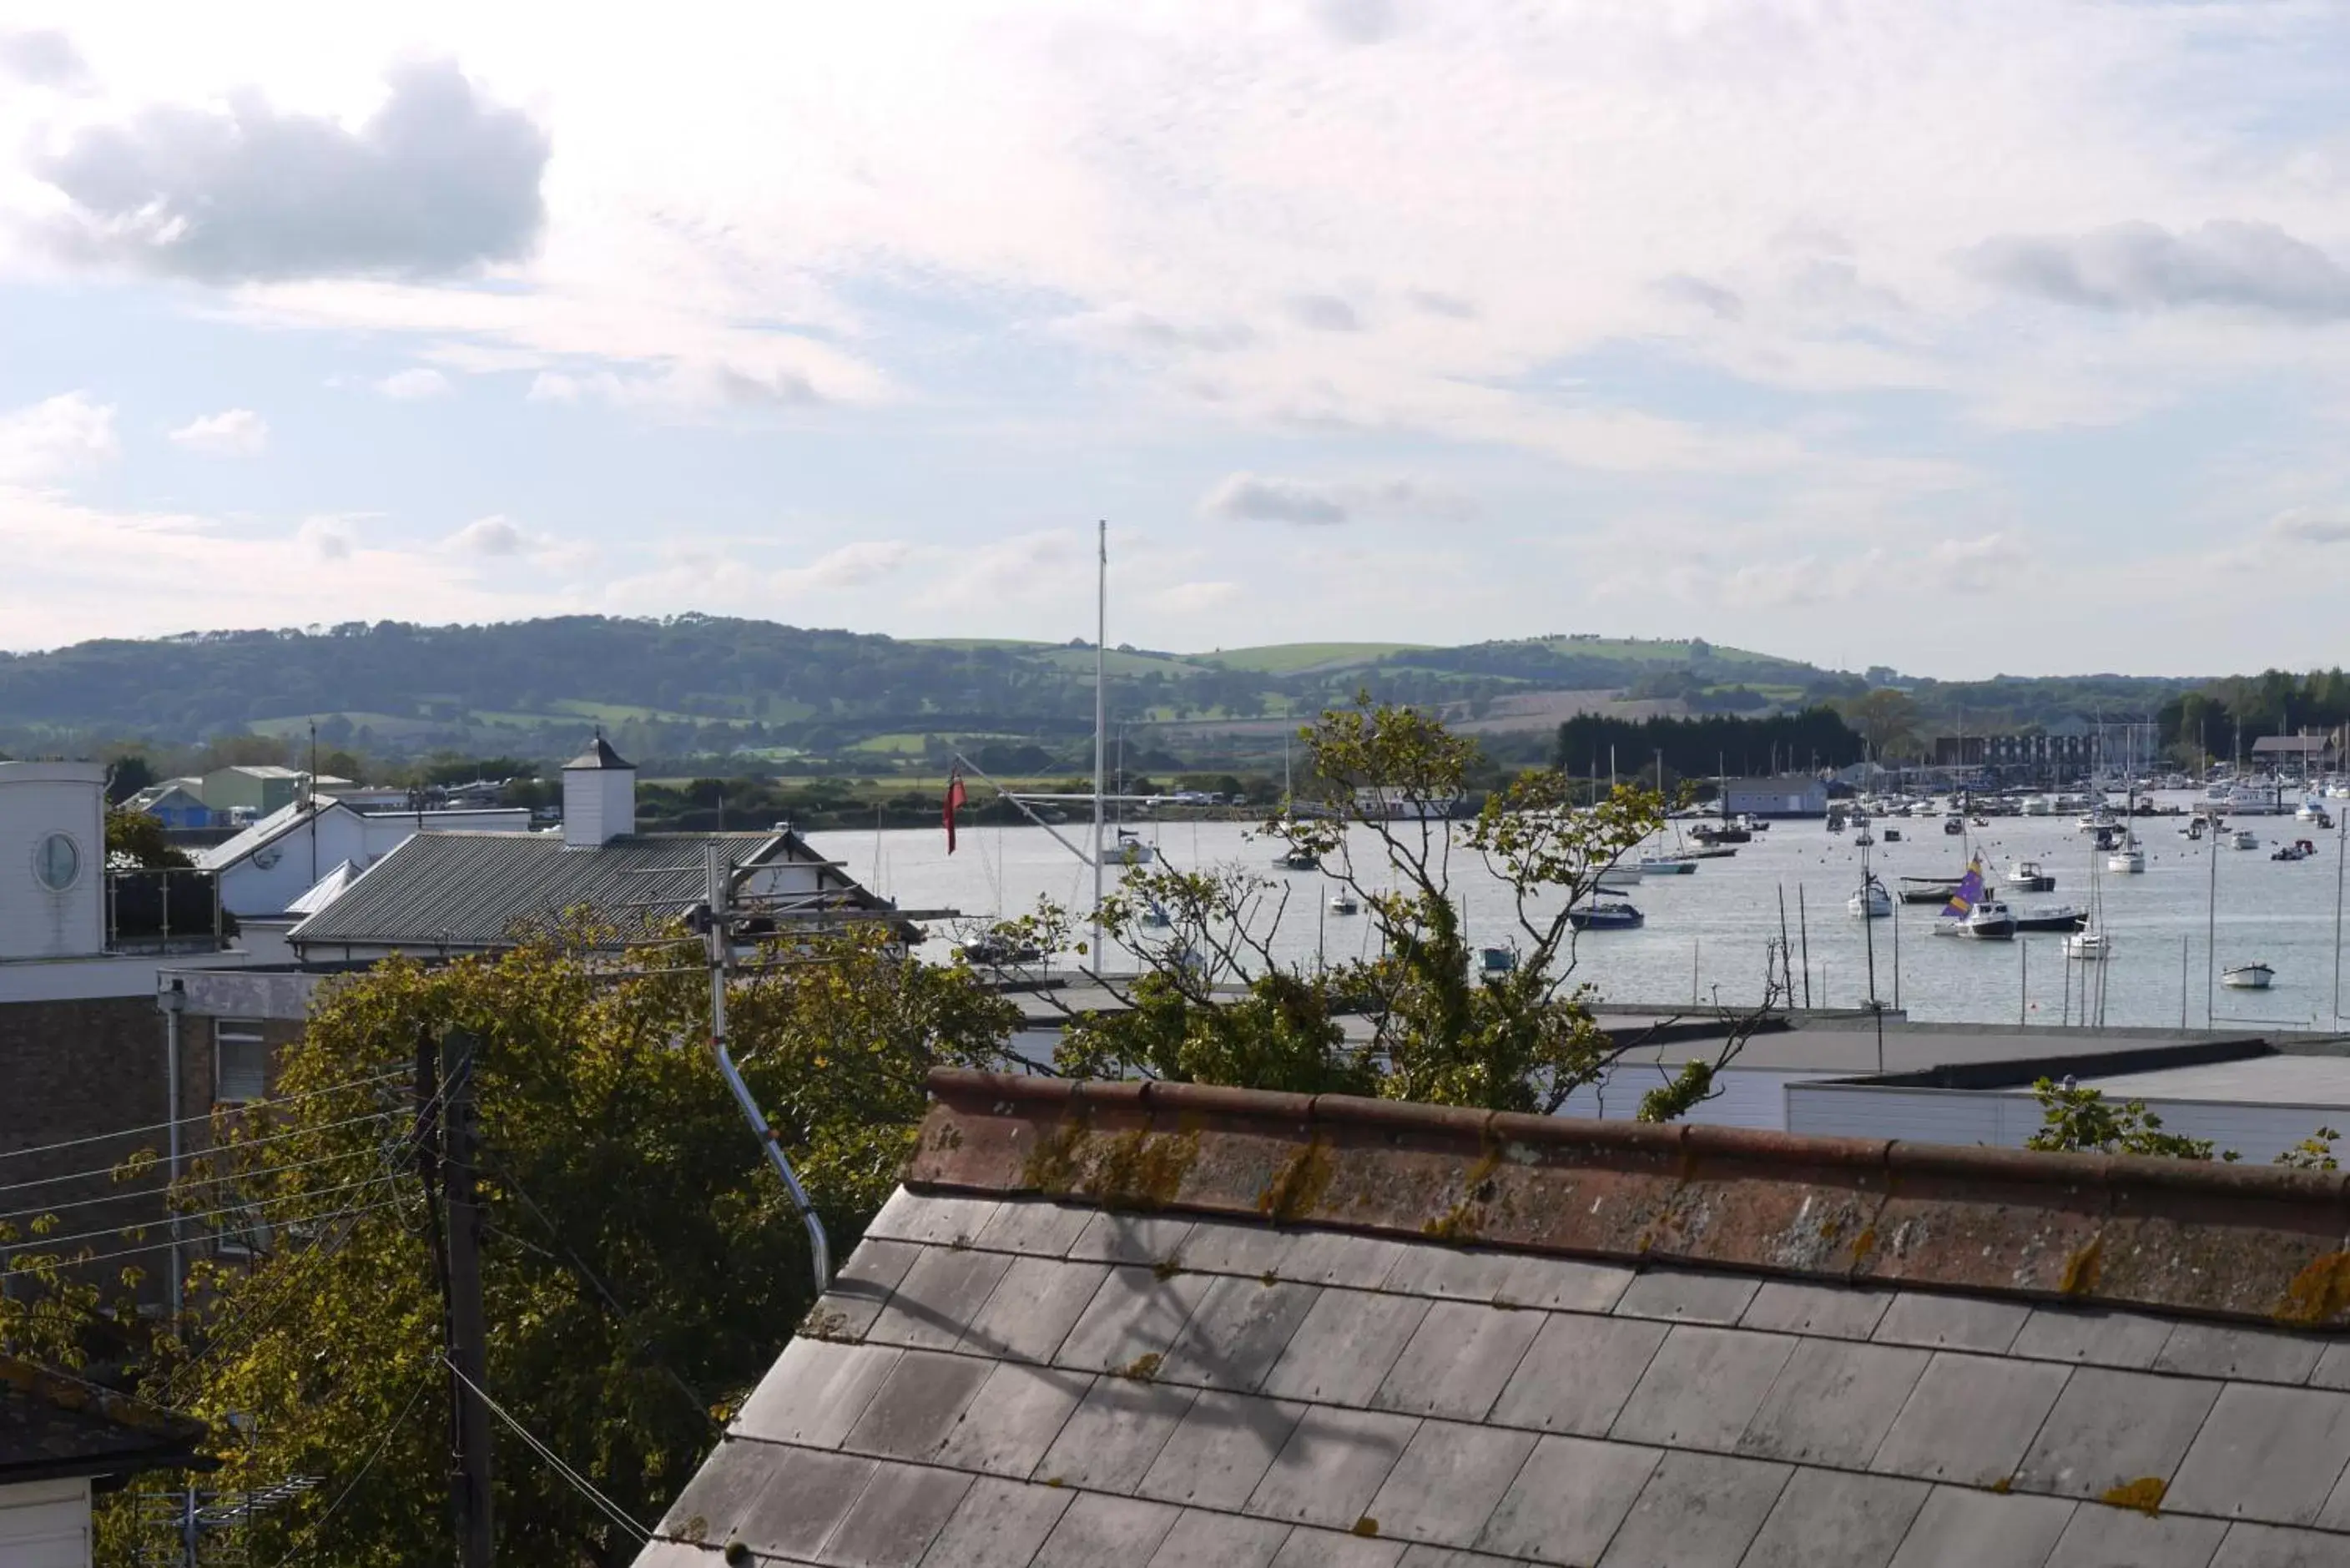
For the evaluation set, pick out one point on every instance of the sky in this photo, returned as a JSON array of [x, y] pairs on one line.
[[2003, 336]]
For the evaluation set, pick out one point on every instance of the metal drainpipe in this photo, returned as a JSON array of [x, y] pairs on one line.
[[719, 936], [171, 1001]]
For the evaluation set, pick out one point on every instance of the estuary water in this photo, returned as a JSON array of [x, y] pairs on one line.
[[1708, 935]]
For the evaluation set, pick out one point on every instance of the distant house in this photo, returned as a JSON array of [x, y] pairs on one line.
[[257, 787], [2298, 752], [264, 869], [441, 893], [60, 1440], [177, 803], [1793, 795]]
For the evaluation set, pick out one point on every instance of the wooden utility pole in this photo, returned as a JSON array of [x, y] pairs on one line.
[[444, 1159], [468, 1337]]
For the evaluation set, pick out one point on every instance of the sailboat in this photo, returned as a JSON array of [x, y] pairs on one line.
[[1292, 859], [2092, 943], [1127, 847]]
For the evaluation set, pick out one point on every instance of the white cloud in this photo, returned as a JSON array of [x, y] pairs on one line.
[[1984, 564], [2251, 266], [415, 384], [1269, 498], [56, 437], [437, 182], [232, 432], [492, 535], [1195, 598], [855, 566], [327, 539], [2301, 526]]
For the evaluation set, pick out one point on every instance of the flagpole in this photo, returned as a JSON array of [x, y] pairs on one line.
[[1101, 716]]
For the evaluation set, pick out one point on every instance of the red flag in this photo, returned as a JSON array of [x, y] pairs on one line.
[[955, 798]]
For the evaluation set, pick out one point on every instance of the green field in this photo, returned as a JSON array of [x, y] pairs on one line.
[[1081, 659], [1287, 657], [296, 726], [1643, 650]]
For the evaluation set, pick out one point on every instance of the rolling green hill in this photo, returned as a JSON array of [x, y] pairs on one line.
[[700, 687]]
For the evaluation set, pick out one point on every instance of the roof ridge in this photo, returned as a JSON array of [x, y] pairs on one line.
[[2257, 1243]]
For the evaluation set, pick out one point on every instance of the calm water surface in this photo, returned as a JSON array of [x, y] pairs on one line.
[[1709, 934]]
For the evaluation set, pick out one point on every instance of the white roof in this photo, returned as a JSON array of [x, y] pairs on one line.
[[329, 888], [2315, 1082]]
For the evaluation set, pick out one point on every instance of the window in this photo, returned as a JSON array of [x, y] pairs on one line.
[[57, 863], [240, 1061]]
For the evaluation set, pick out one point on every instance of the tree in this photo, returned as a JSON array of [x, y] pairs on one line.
[[2077, 1120], [1887, 718], [127, 775], [1217, 1006], [641, 1263], [135, 840]]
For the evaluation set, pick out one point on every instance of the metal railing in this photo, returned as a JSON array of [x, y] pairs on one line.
[[165, 909]]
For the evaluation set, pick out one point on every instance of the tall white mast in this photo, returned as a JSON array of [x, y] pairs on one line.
[[1101, 716]]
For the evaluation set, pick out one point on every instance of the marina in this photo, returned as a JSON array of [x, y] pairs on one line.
[[2159, 943]]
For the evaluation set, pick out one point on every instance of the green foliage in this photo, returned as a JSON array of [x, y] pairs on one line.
[[642, 1265], [2314, 1152], [2080, 1120], [135, 838], [1696, 748]]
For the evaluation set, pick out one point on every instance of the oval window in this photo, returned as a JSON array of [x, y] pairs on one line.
[[57, 862]]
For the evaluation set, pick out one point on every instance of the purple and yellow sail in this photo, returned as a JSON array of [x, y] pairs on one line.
[[1970, 887]]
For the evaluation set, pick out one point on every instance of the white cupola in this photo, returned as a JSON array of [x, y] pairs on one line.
[[599, 797]]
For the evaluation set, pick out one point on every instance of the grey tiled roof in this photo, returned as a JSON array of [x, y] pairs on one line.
[[474, 890], [1032, 1384]]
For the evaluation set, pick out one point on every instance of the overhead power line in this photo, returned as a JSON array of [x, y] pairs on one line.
[[245, 1106]]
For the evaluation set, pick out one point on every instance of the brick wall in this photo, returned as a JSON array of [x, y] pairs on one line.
[[96, 1069], [84, 1070]]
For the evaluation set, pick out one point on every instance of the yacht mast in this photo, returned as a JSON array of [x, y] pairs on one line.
[[1101, 716]]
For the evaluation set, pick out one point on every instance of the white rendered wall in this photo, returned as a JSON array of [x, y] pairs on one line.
[[36, 800], [45, 1524]]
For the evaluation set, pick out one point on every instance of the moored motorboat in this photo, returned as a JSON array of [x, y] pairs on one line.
[[1604, 917], [2089, 946], [2298, 849], [2027, 876], [1989, 921], [2254, 976], [2065, 918], [2243, 838]]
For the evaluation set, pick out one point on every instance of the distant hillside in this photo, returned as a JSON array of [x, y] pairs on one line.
[[695, 687]]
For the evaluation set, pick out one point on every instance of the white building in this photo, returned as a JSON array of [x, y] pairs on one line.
[[442, 893], [2256, 1105], [266, 869], [52, 859]]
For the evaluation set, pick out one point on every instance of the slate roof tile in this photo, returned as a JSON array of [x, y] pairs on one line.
[[1578, 1373], [2271, 1455], [1702, 1386], [1969, 1418], [1332, 1467], [1567, 1499], [1449, 1481], [1220, 1450], [1457, 1361]]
